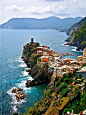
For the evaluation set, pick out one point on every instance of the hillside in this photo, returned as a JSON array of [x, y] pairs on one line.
[[76, 26], [62, 97], [46, 23], [78, 35]]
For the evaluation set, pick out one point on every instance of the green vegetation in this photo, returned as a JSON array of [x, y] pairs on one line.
[[70, 97], [80, 35], [30, 48], [39, 60], [83, 65], [37, 44]]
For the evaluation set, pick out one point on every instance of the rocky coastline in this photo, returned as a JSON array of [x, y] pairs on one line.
[[38, 73]]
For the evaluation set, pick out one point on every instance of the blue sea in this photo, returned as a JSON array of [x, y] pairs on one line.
[[13, 69]]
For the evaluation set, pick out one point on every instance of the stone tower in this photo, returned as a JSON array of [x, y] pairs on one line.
[[32, 40], [84, 52]]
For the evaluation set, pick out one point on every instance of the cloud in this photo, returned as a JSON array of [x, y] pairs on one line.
[[14, 8], [54, 9], [39, 9]]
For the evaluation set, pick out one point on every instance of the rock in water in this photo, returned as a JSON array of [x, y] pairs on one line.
[[19, 94]]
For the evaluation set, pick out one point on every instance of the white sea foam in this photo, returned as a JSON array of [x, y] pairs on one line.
[[25, 73], [14, 101], [14, 108], [9, 92], [22, 65], [22, 84], [74, 49], [63, 44]]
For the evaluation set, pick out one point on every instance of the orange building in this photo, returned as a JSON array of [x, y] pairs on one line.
[[45, 59], [65, 61]]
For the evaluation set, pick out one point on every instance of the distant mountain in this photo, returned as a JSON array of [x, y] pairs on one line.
[[78, 35], [45, 23]]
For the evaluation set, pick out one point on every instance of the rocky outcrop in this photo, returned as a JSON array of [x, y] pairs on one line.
[[39, 74], [18, 93]]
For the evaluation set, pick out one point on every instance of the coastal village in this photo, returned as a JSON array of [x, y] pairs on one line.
[[58, 65], [67, 82]]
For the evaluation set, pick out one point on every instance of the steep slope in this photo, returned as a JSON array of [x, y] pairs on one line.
[[78, 35], [46, 23], [61, 98], [76, 26]]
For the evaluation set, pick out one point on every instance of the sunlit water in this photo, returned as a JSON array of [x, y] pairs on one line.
[[13, 69]]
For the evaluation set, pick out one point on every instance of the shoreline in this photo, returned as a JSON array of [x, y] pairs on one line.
[[74, 47], [59, 69]]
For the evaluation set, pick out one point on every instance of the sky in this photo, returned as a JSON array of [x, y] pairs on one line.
[[41, 9]]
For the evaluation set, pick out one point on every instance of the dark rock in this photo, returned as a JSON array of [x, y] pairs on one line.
[[19, 94], [28, 70]]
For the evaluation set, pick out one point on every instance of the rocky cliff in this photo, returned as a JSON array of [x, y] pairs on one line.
[[78, 35], [39, 74]]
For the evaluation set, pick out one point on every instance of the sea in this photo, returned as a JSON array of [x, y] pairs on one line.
[[13, 69]]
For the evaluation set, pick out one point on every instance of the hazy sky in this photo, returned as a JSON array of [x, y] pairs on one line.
[[41, 8]]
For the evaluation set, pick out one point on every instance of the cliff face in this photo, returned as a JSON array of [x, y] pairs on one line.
[[78, 35]]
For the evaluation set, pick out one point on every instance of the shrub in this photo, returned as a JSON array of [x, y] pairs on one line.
[[37, 44], [57, 83], [39, 60], [38, 112], [68, 80], [27, 54], [48, 92], [64, 92], [80, 76], [31, 109]]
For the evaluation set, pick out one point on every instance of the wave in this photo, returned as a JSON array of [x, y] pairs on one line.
[[14, 103], [22, 83], [74, 49], [16, 62], [14, 109], [63, 44], [24, 73], [22, 65]]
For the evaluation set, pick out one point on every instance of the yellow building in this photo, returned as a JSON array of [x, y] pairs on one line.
[[84, 52]]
